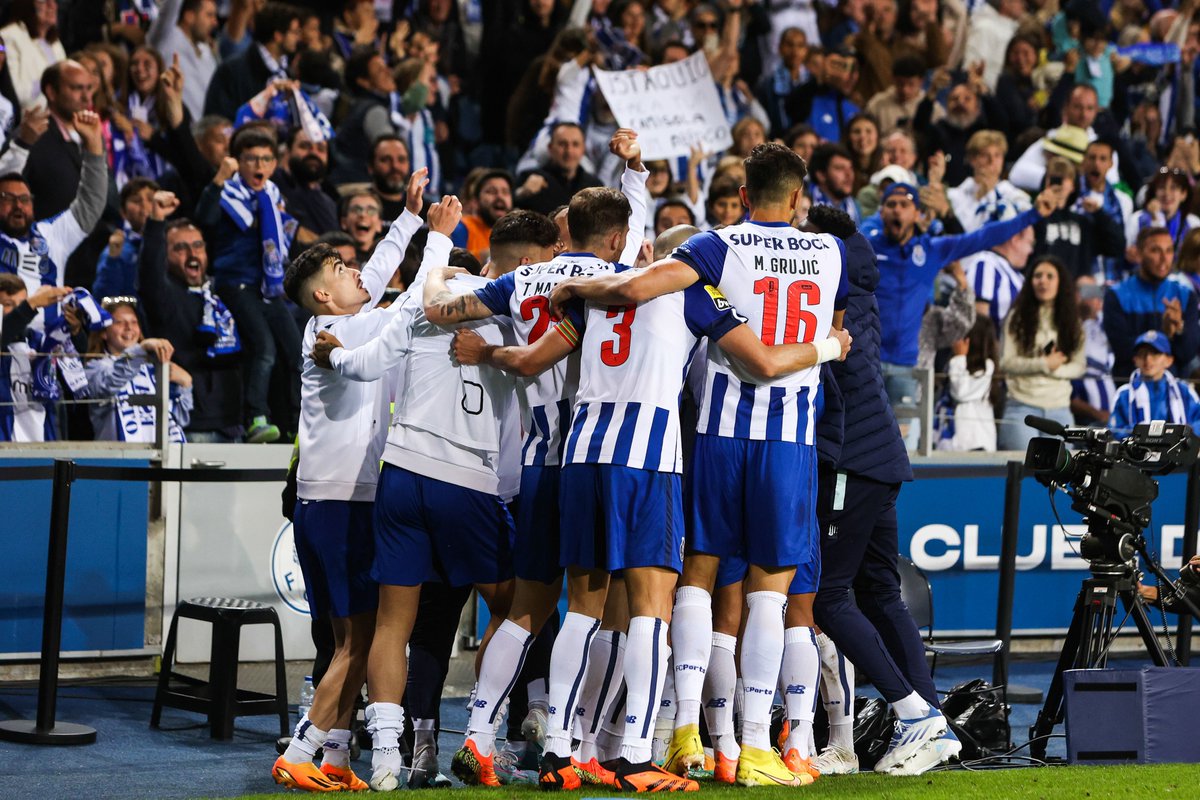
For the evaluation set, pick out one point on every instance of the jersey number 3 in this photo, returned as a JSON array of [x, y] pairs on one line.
[[614, 353], [799, 294]]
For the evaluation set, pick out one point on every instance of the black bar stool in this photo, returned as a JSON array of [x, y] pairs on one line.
[[219, 697]]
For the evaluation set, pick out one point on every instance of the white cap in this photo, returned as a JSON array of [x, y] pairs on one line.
[[894, 173]]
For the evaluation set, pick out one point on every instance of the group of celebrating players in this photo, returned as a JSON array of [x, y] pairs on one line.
[[572, 365]]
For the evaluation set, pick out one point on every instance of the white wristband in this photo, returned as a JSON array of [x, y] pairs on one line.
[[828, 350]]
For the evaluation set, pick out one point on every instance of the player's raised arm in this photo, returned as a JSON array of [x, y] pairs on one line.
[[766, 363], [625, 288], [527, 360]]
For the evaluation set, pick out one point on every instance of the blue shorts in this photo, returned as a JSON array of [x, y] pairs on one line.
[[535, 551], [430, 530], [335, 545], [616, 518], [732, 569], [807, 577], [754, 499]]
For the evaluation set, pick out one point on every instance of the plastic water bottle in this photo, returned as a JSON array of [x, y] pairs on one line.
[[307, 692]]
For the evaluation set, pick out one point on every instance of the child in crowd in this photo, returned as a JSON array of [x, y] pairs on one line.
[[971, 422], [1153, 393]]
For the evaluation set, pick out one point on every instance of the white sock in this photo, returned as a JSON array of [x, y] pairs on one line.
[[307, 739], [600, 689], [691, 641], [665, 723], [645, 673], [800, 676], [762, 653], [911, 707], [337, 748], [612, 727], [837, 693], [568, 664], [719, 686], [501, 667], [385, 723]]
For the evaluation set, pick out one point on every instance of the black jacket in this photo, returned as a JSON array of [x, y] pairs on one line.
[[235, 82], [174, 313], [864, 437], [559, 190]]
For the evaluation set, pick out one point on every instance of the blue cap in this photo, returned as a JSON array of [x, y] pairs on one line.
[[1156, 339], [899, 188]]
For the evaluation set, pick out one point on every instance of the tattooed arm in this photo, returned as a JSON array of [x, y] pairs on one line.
[[444, 307]]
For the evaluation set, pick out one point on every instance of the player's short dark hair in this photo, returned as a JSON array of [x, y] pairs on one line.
[[462, 257], [246, 137], [773, 171], [134, 186], [304, 268], [828, 219], [824, 154], [595, 212], [524, 227], [273, 18], [1149, 232]]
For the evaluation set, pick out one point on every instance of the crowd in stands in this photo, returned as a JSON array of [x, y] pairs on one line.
[[165, 159]]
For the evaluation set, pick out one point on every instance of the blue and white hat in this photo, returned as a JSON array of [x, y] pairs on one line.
[[1156, 339]]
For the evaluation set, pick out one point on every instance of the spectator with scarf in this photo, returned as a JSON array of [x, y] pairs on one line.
[[1153, 393], [181, 305], [1095, 186], [276, 36], [369, 85], [242, 213], [24, 417], [129, 367], [1167, 207], [116, 273]]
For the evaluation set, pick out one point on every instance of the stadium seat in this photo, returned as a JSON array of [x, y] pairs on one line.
[[918, 596], [219, 697]]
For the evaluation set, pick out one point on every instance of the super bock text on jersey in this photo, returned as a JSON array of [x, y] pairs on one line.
[[788, 284], [546, 398]]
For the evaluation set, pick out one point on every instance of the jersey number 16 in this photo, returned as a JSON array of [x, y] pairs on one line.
[[799, 294]]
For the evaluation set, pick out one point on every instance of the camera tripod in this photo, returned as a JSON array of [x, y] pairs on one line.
[[1091, 632]]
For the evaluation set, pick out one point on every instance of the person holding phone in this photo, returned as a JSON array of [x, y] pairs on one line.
[[1041, 352]]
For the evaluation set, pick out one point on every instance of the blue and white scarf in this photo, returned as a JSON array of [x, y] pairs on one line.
[[1139, 399], [53, 350], [217, 322], [135, 423], [288, 110], [245, 208]]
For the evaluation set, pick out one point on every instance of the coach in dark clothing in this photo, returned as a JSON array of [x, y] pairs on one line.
[[276, 35], [863, 461], [182, 307], [543, 190]]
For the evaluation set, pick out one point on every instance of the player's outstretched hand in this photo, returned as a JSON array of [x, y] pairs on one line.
[[469, 347], [559, 296], [624, 145], [415, 198], [326, 343], [444, 216], [846, 340]]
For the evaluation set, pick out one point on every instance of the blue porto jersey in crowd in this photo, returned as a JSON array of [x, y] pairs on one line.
[[632, 366], [787, 284], [546, 398]]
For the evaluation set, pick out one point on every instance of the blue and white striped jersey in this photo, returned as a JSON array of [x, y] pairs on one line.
[[994, 281], [1097, 387], [632, 367], [545, 399], [788, 285]]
